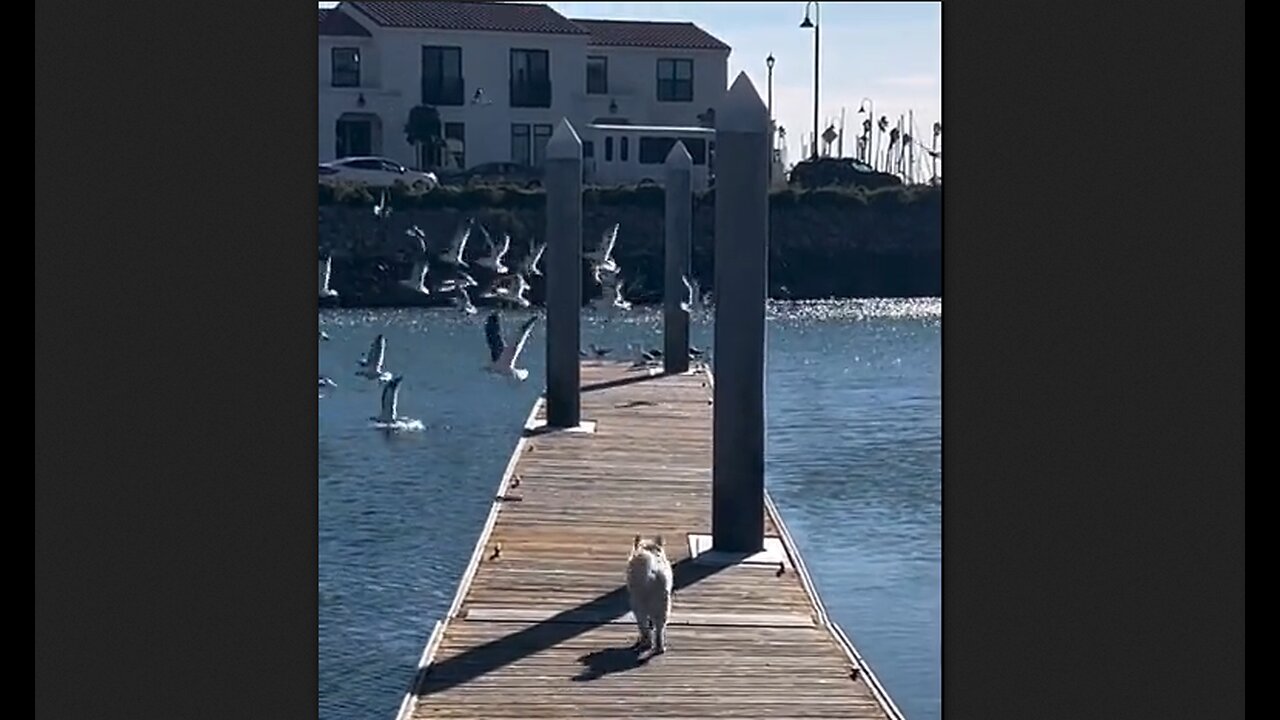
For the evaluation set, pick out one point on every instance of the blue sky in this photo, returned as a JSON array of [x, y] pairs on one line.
[[889, 52]]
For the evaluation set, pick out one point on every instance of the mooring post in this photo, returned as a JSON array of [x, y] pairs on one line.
[[742, 232], [677, 249], [563, 183]]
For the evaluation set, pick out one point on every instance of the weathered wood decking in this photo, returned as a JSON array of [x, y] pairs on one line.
[[540, 625]]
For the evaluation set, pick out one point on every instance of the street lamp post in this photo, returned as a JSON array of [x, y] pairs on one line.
[[773, 139], [768, 62], [869, 108], [806, 23]]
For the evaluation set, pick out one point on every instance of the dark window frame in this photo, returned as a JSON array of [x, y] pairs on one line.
[[443, 90], [345, 76], [601, 88], [532, 92], [462, 136], [528, 139], [676, 89]]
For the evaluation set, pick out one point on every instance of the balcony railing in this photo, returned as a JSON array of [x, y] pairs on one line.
[[443, 91], [531, 93]]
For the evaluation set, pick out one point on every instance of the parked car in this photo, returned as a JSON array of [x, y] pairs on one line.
[[828, 171], [496, 173], [375, 171]]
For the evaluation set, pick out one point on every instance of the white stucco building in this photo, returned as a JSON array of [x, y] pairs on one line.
[[501, 74]]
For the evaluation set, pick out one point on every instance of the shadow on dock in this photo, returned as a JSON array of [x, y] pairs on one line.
[[483, 659], [619, 382]]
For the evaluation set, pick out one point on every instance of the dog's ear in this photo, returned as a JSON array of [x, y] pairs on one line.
[[658, 541], [635, 544]]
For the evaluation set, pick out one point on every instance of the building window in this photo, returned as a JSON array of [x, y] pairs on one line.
[[608, 149], [675, 80], [455, 138], [530, 78], [588, 149], [541, 134], [597, 75], [520, 145], [654, 150], [346, 67], [623, 147], [356, 135], [441, 76]]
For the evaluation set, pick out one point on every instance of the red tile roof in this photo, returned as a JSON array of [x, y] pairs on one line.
[[634, 33], [335, 23], [490, 16]]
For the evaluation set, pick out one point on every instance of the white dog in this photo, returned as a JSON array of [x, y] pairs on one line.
[[649, 582]]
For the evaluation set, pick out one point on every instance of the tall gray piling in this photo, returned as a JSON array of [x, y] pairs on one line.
[[563, 182], [741, 252], [677, 249]]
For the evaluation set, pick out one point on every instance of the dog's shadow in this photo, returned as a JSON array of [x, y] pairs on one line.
[[599, 663]]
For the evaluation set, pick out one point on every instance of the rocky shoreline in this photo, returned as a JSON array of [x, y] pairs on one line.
[[824, 243]]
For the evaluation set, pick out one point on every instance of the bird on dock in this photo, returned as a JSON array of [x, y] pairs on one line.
[[645, 358], [326, 268], [503, 357], [453, 254], [324, 335], [327, 382], [371, 363], [496, 252], [596, 352], [601, 258], [529, 264]]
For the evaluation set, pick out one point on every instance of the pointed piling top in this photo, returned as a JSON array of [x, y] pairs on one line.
[[564, 143], [741, 109], [678, 158]]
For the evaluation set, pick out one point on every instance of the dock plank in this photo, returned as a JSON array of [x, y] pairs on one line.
[[541, 625]]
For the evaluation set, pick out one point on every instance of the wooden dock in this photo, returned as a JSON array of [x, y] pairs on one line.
[[540, 625]]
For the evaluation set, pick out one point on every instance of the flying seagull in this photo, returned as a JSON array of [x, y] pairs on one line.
[[453, 255], [497, 251], [417, 279], [390, 399], [382, 210], [503, 357], [509, 288], [690, 298], [326, 268], [602, 257], [619, 301], [529, 265], [371, 364]]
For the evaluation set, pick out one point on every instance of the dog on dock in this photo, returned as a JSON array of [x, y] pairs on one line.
[[649, 583]]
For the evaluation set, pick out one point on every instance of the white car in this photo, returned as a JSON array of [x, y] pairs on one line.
[[375, 171]]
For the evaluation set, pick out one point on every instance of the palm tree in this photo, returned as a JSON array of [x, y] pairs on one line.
[[884, 125], [937, 132], [890, 165]]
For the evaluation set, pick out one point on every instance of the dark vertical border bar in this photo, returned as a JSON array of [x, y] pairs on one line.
[[175, 452], [1093, 394]]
